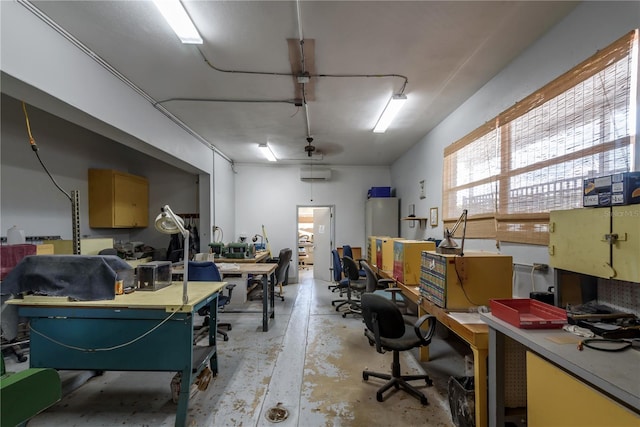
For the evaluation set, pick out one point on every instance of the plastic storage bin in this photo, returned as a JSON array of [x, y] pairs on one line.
[[526, 313], [379, 192]]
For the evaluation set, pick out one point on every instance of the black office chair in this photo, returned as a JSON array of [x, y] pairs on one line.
[[354, 288], [386, 329], [282, 271], [207, 271], [381, 286], [347, 251]]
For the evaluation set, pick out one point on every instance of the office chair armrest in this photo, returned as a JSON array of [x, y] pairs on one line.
[[230, 287], [386, 282], [428, 334]]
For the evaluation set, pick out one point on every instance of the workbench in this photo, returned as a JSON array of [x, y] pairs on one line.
[[140, 331], [565, 386], [475, 334], [267, 271]]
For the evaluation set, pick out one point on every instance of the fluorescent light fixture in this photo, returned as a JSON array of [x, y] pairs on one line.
[[175, 14], [393, 106], [267, 153]]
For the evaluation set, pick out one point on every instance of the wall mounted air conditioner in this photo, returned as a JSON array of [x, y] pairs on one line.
[[315, 174]]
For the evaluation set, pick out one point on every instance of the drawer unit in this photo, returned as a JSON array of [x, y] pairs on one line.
[[460, 282]]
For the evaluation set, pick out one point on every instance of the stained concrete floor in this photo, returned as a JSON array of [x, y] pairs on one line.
[[310, 363]]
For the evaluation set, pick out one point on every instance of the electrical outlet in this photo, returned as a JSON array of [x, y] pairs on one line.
[[541, 267]]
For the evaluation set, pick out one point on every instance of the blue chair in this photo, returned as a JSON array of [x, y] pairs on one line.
[[340, 283], [207, 271], [347, 251]]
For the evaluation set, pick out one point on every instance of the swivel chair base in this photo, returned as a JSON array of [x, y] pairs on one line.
[[398, 381], [225, 337]]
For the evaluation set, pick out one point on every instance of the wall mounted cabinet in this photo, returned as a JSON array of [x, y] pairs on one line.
[[601, 242], [117, 199]]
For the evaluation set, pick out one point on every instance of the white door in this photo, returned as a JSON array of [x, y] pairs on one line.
[[322, 243]]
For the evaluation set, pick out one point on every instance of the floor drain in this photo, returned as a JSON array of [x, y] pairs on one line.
[[277, 414]]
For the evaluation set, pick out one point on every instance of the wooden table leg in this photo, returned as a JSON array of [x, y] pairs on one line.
[[480, 374]]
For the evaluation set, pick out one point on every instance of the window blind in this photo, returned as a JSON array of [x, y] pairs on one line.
[[533, 157]]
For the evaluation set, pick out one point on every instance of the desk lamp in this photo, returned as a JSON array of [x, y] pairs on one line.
[[448, 245], [169, 223]]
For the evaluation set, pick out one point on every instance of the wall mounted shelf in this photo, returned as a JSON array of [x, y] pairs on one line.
[[420, 219]]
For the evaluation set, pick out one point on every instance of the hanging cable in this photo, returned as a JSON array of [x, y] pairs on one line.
[[34, 147]]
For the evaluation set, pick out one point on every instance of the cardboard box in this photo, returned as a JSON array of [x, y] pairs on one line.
[[597, 191], [407, 258], [387, 253], [625, 188]]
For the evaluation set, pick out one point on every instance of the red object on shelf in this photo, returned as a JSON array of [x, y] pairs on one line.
[[528, 313]]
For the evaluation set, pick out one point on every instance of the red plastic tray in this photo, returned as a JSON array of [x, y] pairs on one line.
[[528, 313]]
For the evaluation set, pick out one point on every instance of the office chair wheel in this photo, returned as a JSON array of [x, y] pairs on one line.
[[365, 376], [379, 397], [226, 338], [428, 381], [424, 401]]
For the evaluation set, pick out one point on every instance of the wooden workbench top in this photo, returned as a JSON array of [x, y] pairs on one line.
[[168, 298]]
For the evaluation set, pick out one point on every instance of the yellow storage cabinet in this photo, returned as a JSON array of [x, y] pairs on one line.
[[556, 398], [602, 242], [406, 259], [117, 199]]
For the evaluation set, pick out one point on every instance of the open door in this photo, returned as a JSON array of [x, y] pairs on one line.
[[315, 239], [322, 242]]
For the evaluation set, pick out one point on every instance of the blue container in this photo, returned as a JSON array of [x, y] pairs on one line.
[[379, 192]]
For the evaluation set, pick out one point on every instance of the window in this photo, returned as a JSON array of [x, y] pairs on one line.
[[533, 157]]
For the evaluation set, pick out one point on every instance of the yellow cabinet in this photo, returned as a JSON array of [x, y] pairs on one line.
[[555, 398], [601, 242], [117, 199]]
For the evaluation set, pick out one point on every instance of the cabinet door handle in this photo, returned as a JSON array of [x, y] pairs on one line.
[[614, 237]]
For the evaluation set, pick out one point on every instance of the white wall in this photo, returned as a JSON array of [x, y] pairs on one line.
[[269, 195], [591, 26], [30, 200]]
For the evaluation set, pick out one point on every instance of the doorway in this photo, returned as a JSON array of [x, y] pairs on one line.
[[315, 240]]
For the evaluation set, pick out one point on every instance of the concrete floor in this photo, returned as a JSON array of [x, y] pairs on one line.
[[310, 363]]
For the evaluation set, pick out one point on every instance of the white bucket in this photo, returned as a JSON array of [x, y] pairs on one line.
[[15, 236]]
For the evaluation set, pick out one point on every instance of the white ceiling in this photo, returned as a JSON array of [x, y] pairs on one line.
[[446, 50]]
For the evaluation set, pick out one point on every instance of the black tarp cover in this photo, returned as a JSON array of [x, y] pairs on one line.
[[79, 277]]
